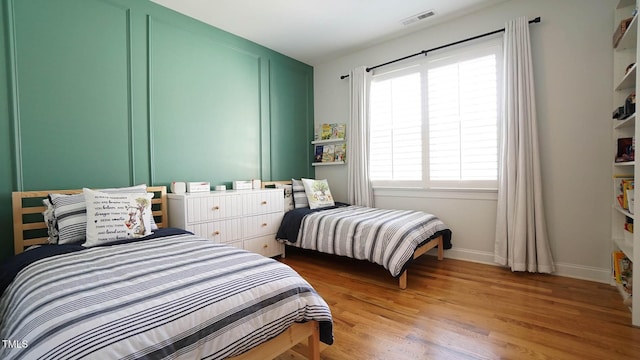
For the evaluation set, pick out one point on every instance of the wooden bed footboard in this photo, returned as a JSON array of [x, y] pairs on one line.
[[295, 334], [439, 242]]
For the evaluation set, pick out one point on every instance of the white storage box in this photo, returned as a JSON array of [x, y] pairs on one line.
[[243, 185], [198, 187]]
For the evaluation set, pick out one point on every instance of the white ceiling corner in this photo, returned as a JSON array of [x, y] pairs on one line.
[[314, 31]]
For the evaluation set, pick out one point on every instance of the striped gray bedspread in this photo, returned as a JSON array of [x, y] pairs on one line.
[[382, 236], [174, 297]]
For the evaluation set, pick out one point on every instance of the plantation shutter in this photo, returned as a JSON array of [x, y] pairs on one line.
[[396, 128], [462, 112]]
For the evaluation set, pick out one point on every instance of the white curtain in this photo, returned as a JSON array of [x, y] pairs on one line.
[[521, 231], [359, 190]]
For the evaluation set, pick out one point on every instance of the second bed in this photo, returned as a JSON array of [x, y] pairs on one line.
[[390, 238]]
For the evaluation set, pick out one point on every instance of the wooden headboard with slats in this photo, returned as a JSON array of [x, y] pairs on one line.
[[267, 184], [30, 229]]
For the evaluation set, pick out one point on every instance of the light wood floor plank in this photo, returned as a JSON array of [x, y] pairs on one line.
[[455, 309]]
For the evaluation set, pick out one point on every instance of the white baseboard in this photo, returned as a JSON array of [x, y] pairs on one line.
[[562, 269], [467, 255], [584, 272]]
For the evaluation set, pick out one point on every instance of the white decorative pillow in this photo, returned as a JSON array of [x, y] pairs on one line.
[[318, 193], [288, 196], [112, 217], [299, 195]]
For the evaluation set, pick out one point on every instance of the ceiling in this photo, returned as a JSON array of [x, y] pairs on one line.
[[314, 31]]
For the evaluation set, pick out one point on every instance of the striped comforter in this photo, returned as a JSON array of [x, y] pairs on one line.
[[382, 236], [173, 297]]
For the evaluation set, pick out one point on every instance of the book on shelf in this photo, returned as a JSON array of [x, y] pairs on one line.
[[626, 150], [318, 153], [338, 131], [620, 30], [332, 131], [623, 186], [628, 224], [626, 275], [325, 132], [340, 152], [627, 188], [328, 153], [616, 258], [622, 271]]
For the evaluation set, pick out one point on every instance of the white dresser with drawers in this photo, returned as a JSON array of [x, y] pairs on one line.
[[247, 219]]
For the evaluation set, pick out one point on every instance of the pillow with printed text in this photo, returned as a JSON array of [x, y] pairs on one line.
[[112, 217], [66, 214]]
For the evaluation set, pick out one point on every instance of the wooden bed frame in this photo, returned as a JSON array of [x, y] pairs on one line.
[[402, 280], [27, 219], [28, 208], [295, 334]]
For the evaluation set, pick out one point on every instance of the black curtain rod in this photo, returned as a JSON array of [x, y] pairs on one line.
[[425, 52]]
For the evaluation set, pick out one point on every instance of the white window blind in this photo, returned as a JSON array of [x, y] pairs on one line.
[[435, 124], [463, 110], [396, 127]]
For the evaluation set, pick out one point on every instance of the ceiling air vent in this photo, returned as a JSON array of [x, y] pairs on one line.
[[418, 17]]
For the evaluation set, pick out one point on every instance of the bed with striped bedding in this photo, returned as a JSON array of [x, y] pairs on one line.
[[173, 296], [382, 236]]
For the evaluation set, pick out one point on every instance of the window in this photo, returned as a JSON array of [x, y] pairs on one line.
[[435, 124]]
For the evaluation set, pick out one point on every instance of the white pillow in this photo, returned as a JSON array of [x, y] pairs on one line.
[[299, 194], [318, 193], [112, 216], [288, 196]]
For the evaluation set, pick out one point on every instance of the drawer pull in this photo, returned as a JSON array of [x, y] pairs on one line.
[[265, 246], [264, 202], [264, 224], [216, 233], [215, 208]]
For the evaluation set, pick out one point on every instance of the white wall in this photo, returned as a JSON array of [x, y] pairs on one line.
[[573, 77]]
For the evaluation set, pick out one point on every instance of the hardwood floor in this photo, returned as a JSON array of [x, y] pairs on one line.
[[455, 309]]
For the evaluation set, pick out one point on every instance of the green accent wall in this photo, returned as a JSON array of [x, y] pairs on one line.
[[103, 93], [7, 167], [294, 118]]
